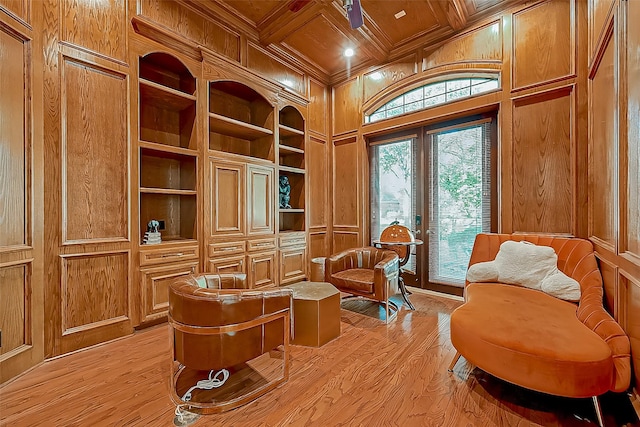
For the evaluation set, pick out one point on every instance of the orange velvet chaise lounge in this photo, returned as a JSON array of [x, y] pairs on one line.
[[537, 341]]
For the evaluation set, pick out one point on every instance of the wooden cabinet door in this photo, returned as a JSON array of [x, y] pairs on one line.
[[155, 287], [260, 200], [262, 269], [227, 198], [293, 265], [235, 264]]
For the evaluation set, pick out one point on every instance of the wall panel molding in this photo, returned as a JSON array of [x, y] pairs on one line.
[[346, 111], [95, 290], [318, 243], [16, 142], [541, 53], [603, 144], [15, 316], [599, 12], [271, 67], [630, 316], [95, 154], [543, 164], [318, 175], [630, 151], [347, 183], [344, 240], [381, 78], [20, 10], [193, 26], [609, 272], [96, 27], [482, 44]]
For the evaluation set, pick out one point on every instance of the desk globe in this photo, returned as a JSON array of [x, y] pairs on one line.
[[397, 233]]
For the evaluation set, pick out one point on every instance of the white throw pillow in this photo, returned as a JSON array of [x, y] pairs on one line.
[[523, 263], [528, 265], [561, 286], [483, 272]]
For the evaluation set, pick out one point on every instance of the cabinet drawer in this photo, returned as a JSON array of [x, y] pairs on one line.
[[293, 239], [167, 255], [155, 287], [261, 244], [235, 264], [225, 249]]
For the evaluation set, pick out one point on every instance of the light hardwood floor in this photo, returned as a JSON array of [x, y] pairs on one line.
[[372, 375]]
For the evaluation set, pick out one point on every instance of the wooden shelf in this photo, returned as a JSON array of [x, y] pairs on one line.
[[165, 97], [168, 241], [163, 148], [289, 131], [291, 170], [289, 149], [168, 191], [235, 128], [291, 210]]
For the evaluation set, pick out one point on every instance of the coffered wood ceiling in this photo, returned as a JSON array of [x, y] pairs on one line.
[[314, 33]]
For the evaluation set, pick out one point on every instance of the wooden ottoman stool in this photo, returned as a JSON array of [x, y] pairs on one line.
[[316, 313]]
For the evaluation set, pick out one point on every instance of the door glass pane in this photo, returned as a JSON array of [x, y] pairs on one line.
[[460, 202], [392, 188]]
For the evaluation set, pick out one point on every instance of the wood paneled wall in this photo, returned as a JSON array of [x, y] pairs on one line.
[[80, 61], [536, 51], [568, 110], [319, 171], [95, 153], [552, 67], [87, 178], [542, 161], [614, 172]]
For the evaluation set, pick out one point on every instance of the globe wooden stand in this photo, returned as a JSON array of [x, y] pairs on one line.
[[403, 261]]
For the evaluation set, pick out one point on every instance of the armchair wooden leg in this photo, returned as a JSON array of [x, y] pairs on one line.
[[454, 361], [596, 405]]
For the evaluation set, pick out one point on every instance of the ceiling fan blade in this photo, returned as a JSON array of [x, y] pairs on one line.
[[355, 15]]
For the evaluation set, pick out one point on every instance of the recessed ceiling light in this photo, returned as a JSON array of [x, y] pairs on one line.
[[348, 52], [400, 14]]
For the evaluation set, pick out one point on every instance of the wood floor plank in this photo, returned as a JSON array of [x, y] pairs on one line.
[[372, 375]]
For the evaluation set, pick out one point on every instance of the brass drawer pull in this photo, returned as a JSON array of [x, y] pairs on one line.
[[170, 255], [293, 242]]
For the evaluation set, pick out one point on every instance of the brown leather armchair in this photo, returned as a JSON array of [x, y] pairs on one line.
[[367, 272], [222, 329]]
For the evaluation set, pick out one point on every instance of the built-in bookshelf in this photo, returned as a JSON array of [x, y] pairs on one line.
[[167, 147], [240, 121], [291, 163]]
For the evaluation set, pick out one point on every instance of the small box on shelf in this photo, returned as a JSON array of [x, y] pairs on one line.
[[178, 211]]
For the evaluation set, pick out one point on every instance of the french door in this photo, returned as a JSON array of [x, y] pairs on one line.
[[439, 182]]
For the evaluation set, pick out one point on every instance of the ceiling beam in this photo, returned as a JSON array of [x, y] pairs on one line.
[[222, 14], [457, 13], [278, 26], [364, 39]]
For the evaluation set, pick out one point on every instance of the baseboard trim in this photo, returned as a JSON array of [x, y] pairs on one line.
[[434, 294]]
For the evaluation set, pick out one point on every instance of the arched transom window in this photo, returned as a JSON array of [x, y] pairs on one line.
[[433, 94]]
